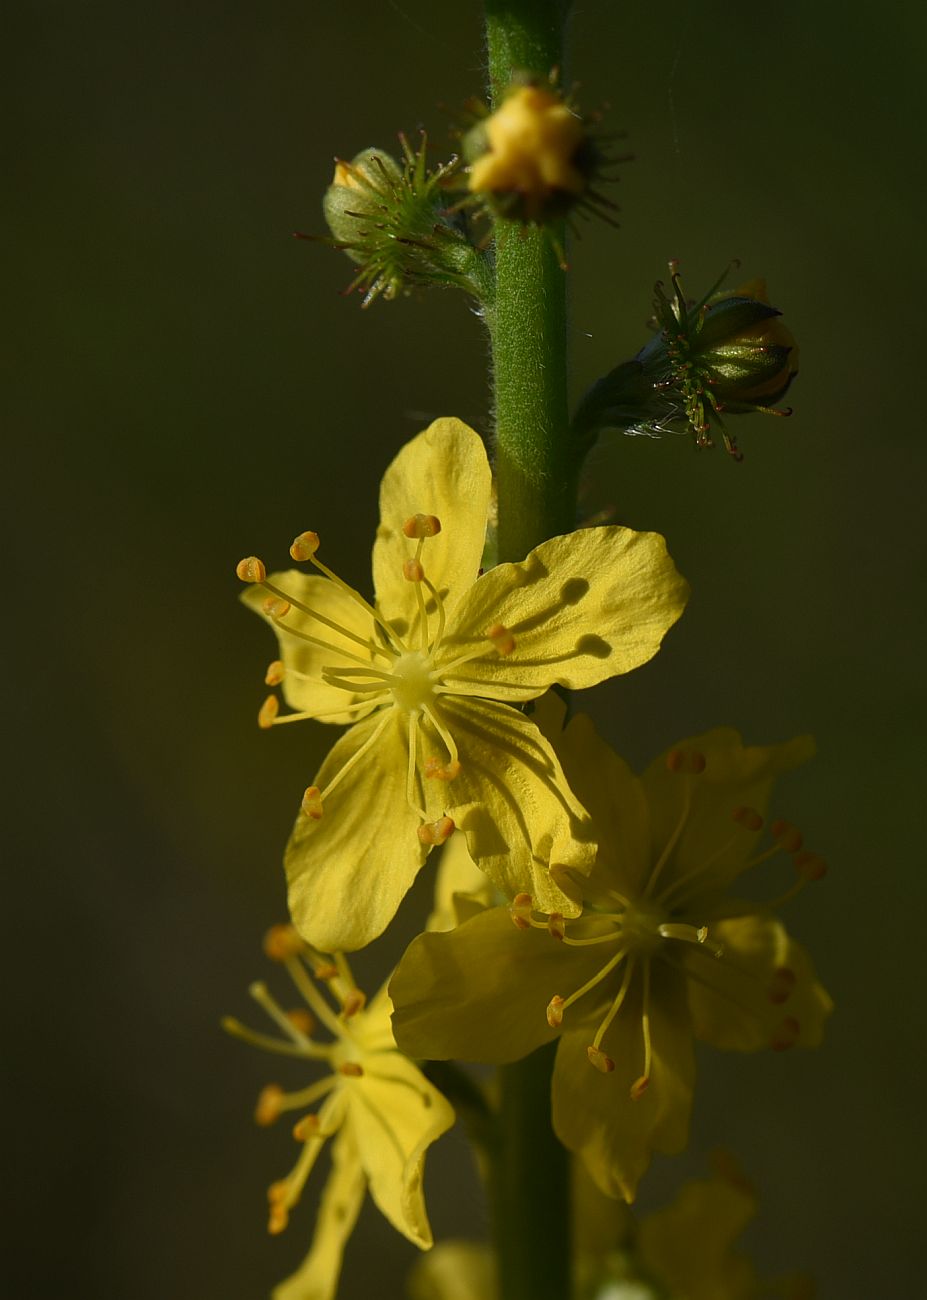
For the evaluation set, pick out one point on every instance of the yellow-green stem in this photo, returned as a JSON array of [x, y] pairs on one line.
[[536, 481]]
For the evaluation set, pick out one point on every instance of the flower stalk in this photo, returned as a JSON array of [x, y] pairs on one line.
[[536, 480]]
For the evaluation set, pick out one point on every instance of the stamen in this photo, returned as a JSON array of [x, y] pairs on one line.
[[282, 942], [339, 651], [438, 771], [600, 975], [677, 831], [311, 805], [269, 1004], [417, 526], [604, 1064], [781, 985], [356, 756], [378, 618], [325, 971], [304, 546], [273, 1101], [267, 713], [276, 607], [445, 735], [351, 1069], [688, 761], [520, 911], [437, 832], [313, 998], [788, 837], [501, 638], [275, 673], [555, 925], [269, 1105], [300, 1047], [785, 1035], [640, 1086], [306, 1128], [809, 865], [555, 1012], [616, 1005], [304, 1021], [689, 934], [432, 590], [412, 571], [354, 1002], [251, 569], [749, 818], [411, 767]]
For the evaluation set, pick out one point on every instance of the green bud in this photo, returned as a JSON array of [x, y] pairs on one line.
[[391, 220], [728, 353]]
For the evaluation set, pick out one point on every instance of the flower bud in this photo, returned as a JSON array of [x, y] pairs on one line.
[[729, 353]]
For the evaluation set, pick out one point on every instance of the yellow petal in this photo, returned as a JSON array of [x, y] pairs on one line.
[[735, 775], [581, 608], [593, 1113], [394, 1115], [349, 871], [461, 889], [454, 1270], [480, 992], [523, 825], [688, 1246], [762, 981], [300, 657], [443, 472], [317, 1276]]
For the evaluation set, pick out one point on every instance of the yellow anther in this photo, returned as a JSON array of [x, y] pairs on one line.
[[639, 1087], [748, 818], [417, 526], [520, 911], [604, 1064], [785, 1035], [502, 639], [268, 712], [438, 771], [275, 673], [278, 1219], [269, 1105], [436, 832], [687, 762], [251, 569], [302, 1020], [278, 1191], [810, 865], [325, 970], [781, 985], [311, 804], [555, 1011], [788, 837], [555, 925], [281, 942], [275, 607], [306, 1128], [304, 546], [355, 1000], [412, 571], [351, 1069]]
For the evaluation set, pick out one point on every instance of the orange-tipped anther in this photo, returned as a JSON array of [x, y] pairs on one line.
[[306, 1128], [555, 925], [520, 911], [437, 832], [251, 569], [325, 971], [785, 1035], [275, 673], [351, 1069], [274, 607], [501, 638], [810, 865], [688, 762], [438, 771], [639, 1087], [277, 1191], [281, 942], [788, 837], [355, 1000], [555, 1011], [304, 546], [412, 571], [277, 1220], [781, 985], [302, 1020], [269, 1105], [311, 805], [418, 526], [268, 712], [748, 818], [604, 1064]]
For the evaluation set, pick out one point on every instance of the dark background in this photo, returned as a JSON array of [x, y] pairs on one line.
[[184, 385]]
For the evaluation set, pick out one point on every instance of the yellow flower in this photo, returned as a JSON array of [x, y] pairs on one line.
[[660, 954], [430, 678], [378, 1107]]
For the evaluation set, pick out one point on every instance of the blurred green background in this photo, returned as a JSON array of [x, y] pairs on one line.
[[185, 385]]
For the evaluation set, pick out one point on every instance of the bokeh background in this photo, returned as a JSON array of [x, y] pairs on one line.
[[184, 384]]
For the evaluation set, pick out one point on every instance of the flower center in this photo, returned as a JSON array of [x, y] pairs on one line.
[[412, 681], [641, 928]]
